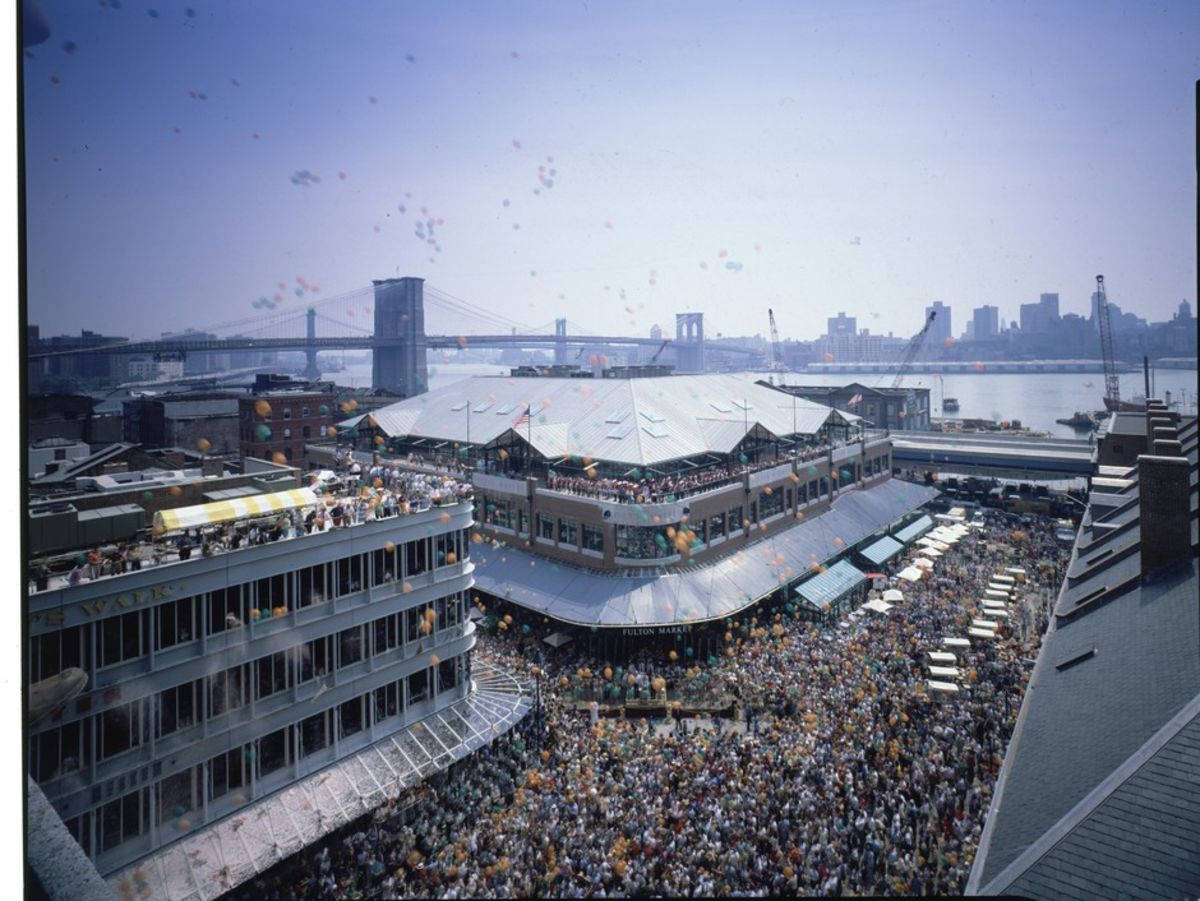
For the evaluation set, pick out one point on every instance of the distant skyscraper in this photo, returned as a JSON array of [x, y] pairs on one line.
[[1185, 311], [655, 333], [1049, 303], [841, 324], [986, 322], [939, 331]]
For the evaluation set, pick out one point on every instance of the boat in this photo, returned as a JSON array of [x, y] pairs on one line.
[[949, 404], [1082, 421]]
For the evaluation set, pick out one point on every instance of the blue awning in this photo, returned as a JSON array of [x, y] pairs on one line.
[[882, 550], [831, 585], [914, 529]]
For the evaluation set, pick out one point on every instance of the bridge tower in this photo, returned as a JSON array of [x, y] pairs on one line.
[[560, 346], [311, 371], [689, 342], [400, 313]]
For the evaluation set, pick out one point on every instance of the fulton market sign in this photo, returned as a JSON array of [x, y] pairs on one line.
[[101, 607], [657, 630]]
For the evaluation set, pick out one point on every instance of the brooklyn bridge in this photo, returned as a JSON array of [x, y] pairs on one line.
[[388, 318]]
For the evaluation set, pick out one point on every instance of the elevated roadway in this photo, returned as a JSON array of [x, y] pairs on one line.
[[1004, 456]]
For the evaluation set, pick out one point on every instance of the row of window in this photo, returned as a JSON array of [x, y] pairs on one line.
[[177, 797], [69, 747], [249, 415], [130, 635]]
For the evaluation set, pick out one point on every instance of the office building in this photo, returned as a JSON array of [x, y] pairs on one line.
[[986, 322], [281, 415], [940, 329], [841, 324], [294, 656]]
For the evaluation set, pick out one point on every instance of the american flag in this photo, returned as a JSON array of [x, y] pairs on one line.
[[522, 419], [857, 399]]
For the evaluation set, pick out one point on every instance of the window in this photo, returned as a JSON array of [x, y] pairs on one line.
[[176, 623], [315, 656], [770, 504], [177, 708], [228, 690], [287, 433], [522, 521], [274, 752], [287, 451], [120, 729], [312, 585], [57, 752], [274, 673], [60, 454], [387, 701], [386, 632], [447, 548], [350, 646], [80, 828], [418, 686], [593, 538], [53, 652], [349, 574], [306, 432], [304, 415], [272, 592], [416, 557], [642, 542], [568, 532], [716, 526], [177, 795], [545, 527], [812, 490], [735, 519], [227, 771], [350, 717], [383, 566], [124, 818], [287, 412], [447, 672], [315, 733], [824, 486], [226, 609], [122, 638], [501, 514]]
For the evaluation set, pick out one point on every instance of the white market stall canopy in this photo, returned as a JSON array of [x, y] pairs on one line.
[[557, 639], [236, 508], [955, 642], [982, 633], [910, 574], [942, 688], [983, 624], [923, 563], [893, 594], [942, 658], [944, 672], [877, 605], [930, 552]]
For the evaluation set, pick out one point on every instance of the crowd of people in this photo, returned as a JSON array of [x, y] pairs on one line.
[[357, 494], [845, 776], [666, 487]]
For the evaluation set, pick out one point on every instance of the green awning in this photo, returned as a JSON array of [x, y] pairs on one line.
[[914, 529], [882, 550]]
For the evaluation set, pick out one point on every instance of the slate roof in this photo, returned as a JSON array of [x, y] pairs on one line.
[[639, 422], [1099, 795], [700, 592]]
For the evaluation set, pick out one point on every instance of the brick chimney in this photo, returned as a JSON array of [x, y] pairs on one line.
[[1164, 512]]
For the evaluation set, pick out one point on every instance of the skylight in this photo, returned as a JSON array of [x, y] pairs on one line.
[[505, 409], [655, 430], [720, 406], [619, 431], [652, 415], [482, 407], [460, 405], [616, 415], [743, 405]]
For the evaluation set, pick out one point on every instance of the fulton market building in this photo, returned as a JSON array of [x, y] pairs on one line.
[[627, 511]]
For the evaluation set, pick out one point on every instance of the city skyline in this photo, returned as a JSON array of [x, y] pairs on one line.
[[181, 165]]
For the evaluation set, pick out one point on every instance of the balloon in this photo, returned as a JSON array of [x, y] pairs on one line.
[[262, 408], [673, 656]]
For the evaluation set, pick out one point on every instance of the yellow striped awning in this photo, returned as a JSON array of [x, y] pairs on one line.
[[236, 508]]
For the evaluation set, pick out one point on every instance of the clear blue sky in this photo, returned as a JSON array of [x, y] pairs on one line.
[[865, 157]]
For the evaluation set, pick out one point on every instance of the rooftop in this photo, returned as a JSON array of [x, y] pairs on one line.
[[1092, 797], [636, 422]]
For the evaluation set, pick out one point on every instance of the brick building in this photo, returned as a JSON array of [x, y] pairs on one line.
[[281, 414]]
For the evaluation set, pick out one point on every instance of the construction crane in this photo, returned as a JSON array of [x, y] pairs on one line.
[[1112, 384], [775, 360], [914, 345], [661, 347]]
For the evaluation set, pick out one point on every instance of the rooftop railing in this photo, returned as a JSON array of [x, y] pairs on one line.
[[354, 502]]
